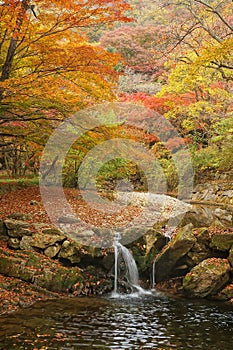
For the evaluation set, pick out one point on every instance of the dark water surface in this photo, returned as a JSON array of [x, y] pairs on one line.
[[149, 322]]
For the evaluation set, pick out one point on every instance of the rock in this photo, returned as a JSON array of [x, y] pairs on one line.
[[39, 226], [3, 231], [17, 228], [230, 257], [20, 216], [108, 261], [13, 224], [52, 251], [203, 236], [68, 219], [226, 293], [14, 243], [207, 278], [222, 242], [147, 247], [69, 251], [200, 250], [34, 202], [173, 252], [46, 238], [78, 253], [43, 240], [20, 232], [39, 270], [199, 216], [223, 215], [25, 243]]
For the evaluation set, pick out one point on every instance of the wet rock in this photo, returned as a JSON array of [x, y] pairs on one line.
[[207, 278], [222, 242], [147, 247], [173, 252]]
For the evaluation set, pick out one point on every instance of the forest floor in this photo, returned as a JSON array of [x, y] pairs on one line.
[[28, 201]]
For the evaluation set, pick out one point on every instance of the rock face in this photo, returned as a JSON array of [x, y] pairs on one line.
[[207, 278], [173, 252]]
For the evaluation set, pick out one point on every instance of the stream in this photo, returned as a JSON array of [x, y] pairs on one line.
[[128, 322]]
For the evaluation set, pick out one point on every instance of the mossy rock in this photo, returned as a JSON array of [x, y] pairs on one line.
[[222, 242], [207, 278], [179, 245]]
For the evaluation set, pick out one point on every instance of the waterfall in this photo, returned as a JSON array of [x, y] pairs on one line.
[[153, 274], [132, 270], [130, 264]]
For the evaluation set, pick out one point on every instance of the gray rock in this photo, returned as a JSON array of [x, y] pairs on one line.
[[175, 250], [207, 278]]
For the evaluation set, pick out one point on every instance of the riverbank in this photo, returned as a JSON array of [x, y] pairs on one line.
[[38, 262]]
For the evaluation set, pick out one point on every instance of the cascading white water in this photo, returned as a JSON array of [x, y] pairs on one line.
[[131, 267], [153, 274], [130, 264]]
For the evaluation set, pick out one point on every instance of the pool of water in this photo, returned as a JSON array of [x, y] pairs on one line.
[[145, 322]]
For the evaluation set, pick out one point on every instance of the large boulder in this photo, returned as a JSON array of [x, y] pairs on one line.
[[222, 241], [180, 245], [207, 278]]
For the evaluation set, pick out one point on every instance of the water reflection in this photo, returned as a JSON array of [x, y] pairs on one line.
[[149, 322]]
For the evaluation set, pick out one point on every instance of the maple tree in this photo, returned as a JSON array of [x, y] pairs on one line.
[[48, 69]]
